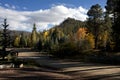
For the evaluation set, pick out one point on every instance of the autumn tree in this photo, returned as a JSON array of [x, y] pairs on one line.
[[17, 41], [80, 37], [45, 35], [94, 21], [81, 33], [90, 40], [84, 39]]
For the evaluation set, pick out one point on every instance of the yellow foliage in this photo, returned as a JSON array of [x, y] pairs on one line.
[[104, 38], [81, 33], [46, 34], [17, 41], [90, 39]]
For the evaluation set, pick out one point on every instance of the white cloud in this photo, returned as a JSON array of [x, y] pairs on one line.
[[104, 10], [13, 7], [24, 8], [23, 20], [10, 6], [7, 5]]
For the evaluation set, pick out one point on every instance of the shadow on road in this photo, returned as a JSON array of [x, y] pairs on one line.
[[77, 70]]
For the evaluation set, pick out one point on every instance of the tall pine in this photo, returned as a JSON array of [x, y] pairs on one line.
[[94, 21], [34, 36], [5, 38], [113, 8]]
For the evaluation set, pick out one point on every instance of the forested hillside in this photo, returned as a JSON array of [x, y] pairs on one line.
[[71, 25]]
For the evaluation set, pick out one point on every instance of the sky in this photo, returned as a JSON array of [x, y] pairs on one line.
[[22, 14]]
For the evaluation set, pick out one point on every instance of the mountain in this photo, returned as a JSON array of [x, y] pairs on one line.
[[71, 25], [15, 32]]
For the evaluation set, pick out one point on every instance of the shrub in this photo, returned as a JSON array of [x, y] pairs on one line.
[[67, 49]]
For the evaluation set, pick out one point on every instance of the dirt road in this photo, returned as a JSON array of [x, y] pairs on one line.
[[55, 69], [85, 71], [31, 74], [81, 70]]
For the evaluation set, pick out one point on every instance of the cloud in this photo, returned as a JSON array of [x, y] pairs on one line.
[[7, 5], [24, 8], [44, 19], [10, 6], [13, 7], [104, 10]]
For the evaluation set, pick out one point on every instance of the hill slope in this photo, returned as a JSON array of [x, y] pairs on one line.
[[71, 25]]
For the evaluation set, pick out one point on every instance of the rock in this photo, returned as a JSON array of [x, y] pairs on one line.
[[21, 65], [4, 66]]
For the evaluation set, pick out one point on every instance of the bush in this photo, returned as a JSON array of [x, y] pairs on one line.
[[67, 49]]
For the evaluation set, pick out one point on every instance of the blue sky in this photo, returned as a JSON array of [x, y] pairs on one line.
[[21, 14], [45, 4]]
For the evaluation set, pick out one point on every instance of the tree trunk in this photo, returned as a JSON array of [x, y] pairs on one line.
[[96, 45]]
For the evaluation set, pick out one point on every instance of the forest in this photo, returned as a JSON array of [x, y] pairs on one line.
[[98, 35]]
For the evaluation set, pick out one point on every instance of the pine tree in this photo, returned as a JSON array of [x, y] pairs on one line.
[[113, 8], [22, 40], [34, 36], [107, 30], [5, 38], [95, 15]]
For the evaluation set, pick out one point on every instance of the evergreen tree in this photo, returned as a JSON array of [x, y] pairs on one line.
[[113, 8], [34, 36], [22, 40], [39, 45], [29, 41], [107, 30], [95, 15], [5, 38]]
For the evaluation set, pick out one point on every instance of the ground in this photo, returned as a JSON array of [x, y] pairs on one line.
[[31, 74], [54, 69]]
